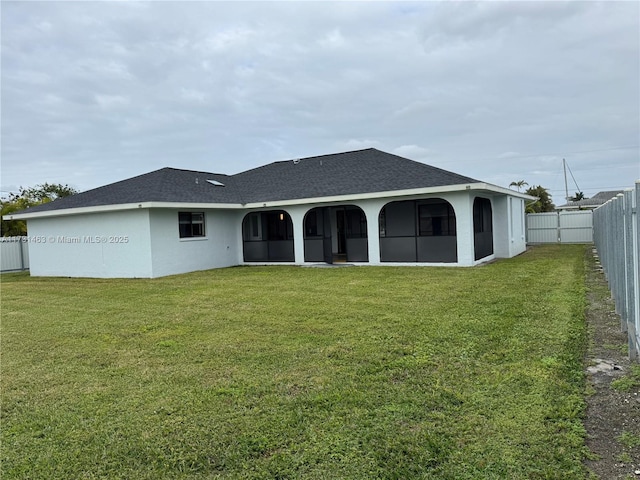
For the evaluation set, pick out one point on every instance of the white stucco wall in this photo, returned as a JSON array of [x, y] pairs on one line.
[[518, 229], [462, 204], [146, 242], [103, 245], [508, 226], [220, 247]]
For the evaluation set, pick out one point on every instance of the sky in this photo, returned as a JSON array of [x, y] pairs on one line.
[[97, 92]]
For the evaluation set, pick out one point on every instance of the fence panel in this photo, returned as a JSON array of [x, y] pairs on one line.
[[560, 227], [617, 240], [14, 254], [542, 227], [576, 227]]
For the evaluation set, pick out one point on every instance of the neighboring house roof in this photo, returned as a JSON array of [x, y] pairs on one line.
[[598, 199], [349, 173]]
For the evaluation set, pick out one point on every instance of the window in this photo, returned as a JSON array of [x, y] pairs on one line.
[[279, 226], [482, 215], [311, 223], [191, 224], [252, 227], [382, 222], [436, 219], [482, 228], [356, 223]]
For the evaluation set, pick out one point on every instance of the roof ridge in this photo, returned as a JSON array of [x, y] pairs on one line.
[[332, 154], [306, 158], [319, 156], [191, 171]]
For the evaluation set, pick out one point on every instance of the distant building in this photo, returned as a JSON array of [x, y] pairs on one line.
[[592, 203]]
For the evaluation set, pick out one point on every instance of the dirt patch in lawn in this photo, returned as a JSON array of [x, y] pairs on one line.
[[613, 402]]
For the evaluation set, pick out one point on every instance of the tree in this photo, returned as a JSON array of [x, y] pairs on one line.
[[543, 204], [577, 197], [29, 197], [12, 228], [44, 193], [519, 184]]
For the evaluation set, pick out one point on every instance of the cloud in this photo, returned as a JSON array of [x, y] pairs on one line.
[[111, 101], [332, 39], [359, 144], [414, 152]]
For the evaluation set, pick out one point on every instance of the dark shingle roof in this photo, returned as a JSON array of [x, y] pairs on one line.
[[361, 171], [164, 185]]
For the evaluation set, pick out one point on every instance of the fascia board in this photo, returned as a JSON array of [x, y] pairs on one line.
[[394, 193], [118, 208], [503, 191]]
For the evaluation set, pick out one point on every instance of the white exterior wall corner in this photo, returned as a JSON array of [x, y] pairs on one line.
[[172, 255], [462, 203], [509, 232], [517, 227], [297, 213], [99, 245], [501, 222]]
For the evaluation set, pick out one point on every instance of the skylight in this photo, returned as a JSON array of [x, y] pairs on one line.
[[216, 183]]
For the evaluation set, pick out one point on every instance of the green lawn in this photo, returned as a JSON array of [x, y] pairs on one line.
[[286, 372]]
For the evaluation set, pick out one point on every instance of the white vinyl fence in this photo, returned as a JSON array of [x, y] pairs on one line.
[[617, 239], [560, 227], [14, 254]]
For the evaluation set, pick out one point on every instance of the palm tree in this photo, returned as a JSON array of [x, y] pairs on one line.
[[577, 197], [519, 184]]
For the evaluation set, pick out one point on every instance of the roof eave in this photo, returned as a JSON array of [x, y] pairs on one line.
[[479, 186], [117, 208]]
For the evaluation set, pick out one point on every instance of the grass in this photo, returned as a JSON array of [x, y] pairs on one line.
[[622, 348], [629, 440], [630, 443], [285, 372], [628, 382]]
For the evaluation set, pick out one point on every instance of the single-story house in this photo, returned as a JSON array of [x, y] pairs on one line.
[[592, 203], [364, 207]]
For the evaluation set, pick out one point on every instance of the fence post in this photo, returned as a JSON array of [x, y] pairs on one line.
[[22, 254], [617, 239], [634, 264]]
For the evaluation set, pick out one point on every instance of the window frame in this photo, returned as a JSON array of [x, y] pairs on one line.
[[195, 226]]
